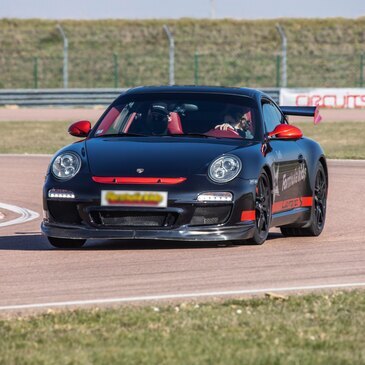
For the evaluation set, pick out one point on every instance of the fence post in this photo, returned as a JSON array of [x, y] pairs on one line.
[[116, 70], [65, 56], [361, 70], [196, 68], [171, 54], [35, 72], [278, 61], [284, 43]]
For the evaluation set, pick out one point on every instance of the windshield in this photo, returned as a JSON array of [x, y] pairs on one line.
[[216, 116]]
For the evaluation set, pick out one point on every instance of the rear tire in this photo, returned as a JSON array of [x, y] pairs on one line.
[[319, 208], [65, 242], [262, 210]]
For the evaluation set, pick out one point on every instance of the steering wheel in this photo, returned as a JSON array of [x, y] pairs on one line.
[[229, 133]]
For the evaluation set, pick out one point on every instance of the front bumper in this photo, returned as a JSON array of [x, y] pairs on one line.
[[183, 233], [184, 218]]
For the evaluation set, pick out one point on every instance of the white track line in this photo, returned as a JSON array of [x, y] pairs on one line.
[[178, 296], [25, 154], [26, 215]]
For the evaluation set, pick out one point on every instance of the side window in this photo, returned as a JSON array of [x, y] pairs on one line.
[[272, 116]]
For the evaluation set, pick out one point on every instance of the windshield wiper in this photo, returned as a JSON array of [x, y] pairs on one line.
[[123, 135]]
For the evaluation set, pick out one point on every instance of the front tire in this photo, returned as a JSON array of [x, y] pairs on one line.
[[65, 242], [318, 212], [262, 210]]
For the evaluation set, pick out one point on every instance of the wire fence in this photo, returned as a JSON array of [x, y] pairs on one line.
[[236, 69]]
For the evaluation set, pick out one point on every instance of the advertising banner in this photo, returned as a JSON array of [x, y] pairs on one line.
[[325, 98]]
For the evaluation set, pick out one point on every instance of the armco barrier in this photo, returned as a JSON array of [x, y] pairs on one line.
[[58, 97], [72, 97]]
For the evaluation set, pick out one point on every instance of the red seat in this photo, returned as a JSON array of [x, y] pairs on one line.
[[129, 122], [174, 126]]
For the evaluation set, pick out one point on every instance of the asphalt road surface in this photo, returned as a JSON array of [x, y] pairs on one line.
[[32, 273]]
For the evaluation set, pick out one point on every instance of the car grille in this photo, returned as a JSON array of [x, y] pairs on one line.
[[107, 218]]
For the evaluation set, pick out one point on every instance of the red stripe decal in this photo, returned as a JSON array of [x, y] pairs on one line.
[[307, 201], [139, 180], [248, 215], [281, 206]]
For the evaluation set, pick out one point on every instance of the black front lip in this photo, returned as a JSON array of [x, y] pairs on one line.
[[182, 233]]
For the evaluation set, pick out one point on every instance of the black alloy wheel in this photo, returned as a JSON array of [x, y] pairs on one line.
[[262, 210], [320, 199], [319, 208]]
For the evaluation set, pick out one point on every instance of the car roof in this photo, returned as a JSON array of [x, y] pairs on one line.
[[253, 93]]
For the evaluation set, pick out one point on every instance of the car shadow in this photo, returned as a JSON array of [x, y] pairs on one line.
[[34, 241]]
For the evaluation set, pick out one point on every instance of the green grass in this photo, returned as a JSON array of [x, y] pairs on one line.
[[34, 137], [310, 329], [339, 140], [321, 52]]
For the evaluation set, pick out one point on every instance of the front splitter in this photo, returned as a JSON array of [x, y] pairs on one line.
[[184, 233]]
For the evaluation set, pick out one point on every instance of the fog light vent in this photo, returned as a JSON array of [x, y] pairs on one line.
[[204, 216]]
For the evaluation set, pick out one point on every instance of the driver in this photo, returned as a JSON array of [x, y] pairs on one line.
[[157, 120], [237, 122]]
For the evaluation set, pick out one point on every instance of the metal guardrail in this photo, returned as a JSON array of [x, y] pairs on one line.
[[58, 97], [72, 97]]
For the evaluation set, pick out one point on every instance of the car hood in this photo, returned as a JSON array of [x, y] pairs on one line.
[[158, 156]]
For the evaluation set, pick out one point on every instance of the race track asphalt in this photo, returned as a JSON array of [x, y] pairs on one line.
[[34, 273]]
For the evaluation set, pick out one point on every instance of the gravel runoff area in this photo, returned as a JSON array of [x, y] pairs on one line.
[[93, 114]]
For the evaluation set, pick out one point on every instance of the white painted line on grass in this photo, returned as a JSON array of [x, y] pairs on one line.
[[177, 296], [26, 215]]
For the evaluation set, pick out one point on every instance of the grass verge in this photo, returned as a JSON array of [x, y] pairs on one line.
[[310, 329], [339, 140], [34, 137]]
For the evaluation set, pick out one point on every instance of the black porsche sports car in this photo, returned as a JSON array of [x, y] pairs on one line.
[[187, 163]]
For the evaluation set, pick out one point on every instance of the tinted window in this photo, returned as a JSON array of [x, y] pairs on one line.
[[177, 114], [272, 116]]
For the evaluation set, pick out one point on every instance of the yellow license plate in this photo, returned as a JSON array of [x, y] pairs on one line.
[[153, 199]]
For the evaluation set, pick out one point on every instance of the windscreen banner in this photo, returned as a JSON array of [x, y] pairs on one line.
[[325, 98]]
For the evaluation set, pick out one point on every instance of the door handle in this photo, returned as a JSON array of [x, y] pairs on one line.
[[300, 158]]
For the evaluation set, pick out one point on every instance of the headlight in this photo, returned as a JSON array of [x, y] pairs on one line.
[[225, 168], [66, 165]]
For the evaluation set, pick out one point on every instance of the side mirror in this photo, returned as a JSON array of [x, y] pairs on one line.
[[80, 129], [286, 131]]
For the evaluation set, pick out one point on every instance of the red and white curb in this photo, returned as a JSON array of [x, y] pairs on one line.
[[25, 215]]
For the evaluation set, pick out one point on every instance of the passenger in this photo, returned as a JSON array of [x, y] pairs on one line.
[[238, 123]]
